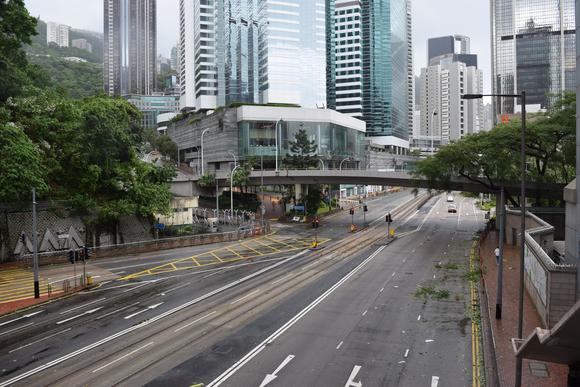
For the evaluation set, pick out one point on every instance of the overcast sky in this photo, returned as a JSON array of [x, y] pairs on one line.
[[431, 18]]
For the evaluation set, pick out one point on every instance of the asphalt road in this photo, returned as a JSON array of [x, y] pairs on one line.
[[189, 326]]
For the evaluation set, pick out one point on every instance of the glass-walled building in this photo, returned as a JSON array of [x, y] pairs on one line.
[[533, 50], [249, 131]]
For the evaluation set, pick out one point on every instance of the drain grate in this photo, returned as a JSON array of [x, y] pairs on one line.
[[539, 369]]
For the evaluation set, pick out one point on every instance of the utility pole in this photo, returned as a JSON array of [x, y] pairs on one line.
[[35, 246]]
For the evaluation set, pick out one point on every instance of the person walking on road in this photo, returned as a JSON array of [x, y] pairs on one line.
[[497, 255]]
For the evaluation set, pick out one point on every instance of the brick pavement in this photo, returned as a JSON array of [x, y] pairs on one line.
[[506, 328]]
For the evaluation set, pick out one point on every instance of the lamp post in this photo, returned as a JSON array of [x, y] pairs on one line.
[[321, 163], [343, 160], [232, 181], [202, 133], [433, 114], [276, 129], [518, 381]]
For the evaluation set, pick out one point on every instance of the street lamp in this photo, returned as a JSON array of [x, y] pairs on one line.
[[523, 216], [202, 133], [343, 160], [321, 163], [276, 129], [231, 152], [232, 181], [433, 114]]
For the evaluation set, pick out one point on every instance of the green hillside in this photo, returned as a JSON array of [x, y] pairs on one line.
[[78, 79]]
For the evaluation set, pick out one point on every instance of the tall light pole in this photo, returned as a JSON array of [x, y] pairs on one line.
[[519, 359], [201, 143], [232, 190], [276, 136], [35, 246], [343, 160], [433, 114]]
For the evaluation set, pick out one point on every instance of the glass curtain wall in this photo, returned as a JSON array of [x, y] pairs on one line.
[[334, 142]]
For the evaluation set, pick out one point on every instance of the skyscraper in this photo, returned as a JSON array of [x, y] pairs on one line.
[[444, 115], [252, 51], [533, 50], [373, 67], [129, 47]]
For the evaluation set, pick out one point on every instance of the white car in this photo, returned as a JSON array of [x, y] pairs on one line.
[[450, 198]]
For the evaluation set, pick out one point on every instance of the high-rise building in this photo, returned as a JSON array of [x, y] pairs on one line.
[[58, 34], [373, 67], [174, 59], [129, 46], [533, 50], [456, 48], [252, 51], [444, 115], [83, 44]]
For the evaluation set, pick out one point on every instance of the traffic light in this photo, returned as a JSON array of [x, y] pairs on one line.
[[71, 256], [365, 208], [388, 218], [352, 211]]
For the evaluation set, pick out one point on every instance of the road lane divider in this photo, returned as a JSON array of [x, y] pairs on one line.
[[194, 321], [270, 339], [124, 356], [145, 323], [39, 340]]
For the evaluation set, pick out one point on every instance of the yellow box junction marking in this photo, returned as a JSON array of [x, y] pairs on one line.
[[18, 284], [252, 248]]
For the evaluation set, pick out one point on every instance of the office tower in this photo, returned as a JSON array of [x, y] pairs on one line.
[[373, 67], [252, 51], [533, 50], [174, 59], [129, 47], [83, 44], [454, 47], [444, 115], [58, 34]]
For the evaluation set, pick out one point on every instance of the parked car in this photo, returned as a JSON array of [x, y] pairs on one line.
[[452, 208]]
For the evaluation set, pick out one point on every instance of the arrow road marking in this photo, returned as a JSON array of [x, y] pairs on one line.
[[79, 315], [83, 305], [434, 381], [272, 376], [350, 382], [141, 311], [21, 317]]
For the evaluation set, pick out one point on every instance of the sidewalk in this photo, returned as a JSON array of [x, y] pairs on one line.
[[535, 373]]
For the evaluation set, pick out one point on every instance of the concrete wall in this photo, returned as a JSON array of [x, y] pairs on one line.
[[571, 222], [552, 287]]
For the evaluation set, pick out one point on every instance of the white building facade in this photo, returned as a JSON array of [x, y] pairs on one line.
[[58, 34], [444, 115]]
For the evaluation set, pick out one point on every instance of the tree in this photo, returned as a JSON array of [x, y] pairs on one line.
[[490, 158], [207, 180], [16, 29], [303, 151], [167, 147], [22, 167], [312, 199]]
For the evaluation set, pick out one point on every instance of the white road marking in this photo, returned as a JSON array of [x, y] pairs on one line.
[[269, 340], [105, 282], [116, 310], [429, 340], [83, 305], [402, 362], [339, 345], [79, 315], [124, 356], [418, 317], [392, 275], [16, 329], [214, 273], [280, 279], [119, 272], [175, 288], [272, 376], [365, 312], [244, 297], [142, 311], [350, 382], [21, 317], [310, 264], [38, 341], [138, 286], [434, 276], [382, 289], [434, 381], [194, 321], [145, 323], [406, 353], [396, 286]]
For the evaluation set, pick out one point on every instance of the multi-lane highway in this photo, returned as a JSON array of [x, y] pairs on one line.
[[275, 312]]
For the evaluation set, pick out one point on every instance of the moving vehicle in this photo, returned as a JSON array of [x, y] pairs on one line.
[[452, 208], [450, 198]]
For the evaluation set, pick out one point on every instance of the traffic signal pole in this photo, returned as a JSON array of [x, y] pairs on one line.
[[35, 246]]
